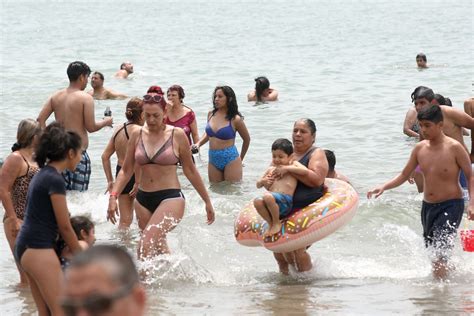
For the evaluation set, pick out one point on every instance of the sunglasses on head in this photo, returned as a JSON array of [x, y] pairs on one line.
[[153, 98], [94, 304]]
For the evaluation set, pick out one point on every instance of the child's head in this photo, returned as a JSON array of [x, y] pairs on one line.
[[331, 158], [431, 121], [84, 229], [281, 151]]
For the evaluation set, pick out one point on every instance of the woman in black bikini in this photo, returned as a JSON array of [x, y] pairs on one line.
[[156, 150], [118, 144]]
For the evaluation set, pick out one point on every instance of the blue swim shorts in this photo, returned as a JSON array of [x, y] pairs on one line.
[[440, 223], [79, 179], [220, 158], [285, 202]]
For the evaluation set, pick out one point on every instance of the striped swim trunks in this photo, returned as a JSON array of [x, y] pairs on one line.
[[79, 179]]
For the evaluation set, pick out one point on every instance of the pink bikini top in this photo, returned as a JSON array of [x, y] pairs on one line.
[[165, 156]]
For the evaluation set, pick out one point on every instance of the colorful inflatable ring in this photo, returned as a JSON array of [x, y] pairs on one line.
[[304, 227]]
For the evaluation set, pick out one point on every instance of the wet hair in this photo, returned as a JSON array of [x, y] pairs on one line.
[[101, 76], [284, 145], [178, 89], [77, 69], [442, 100], [134, 109], [422, 92], [432, 113], [331, 158], [261, 83], [27, 130], [122, 66], [80, 223], [310, 123], [422, 56], [115, 259], [55, 143], [232, 107]]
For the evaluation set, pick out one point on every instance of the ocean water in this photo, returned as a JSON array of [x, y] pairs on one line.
[[348, 65]]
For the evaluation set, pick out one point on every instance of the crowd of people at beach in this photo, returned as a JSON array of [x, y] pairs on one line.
[[161, 134]]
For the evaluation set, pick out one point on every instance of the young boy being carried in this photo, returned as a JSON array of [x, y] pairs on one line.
[[441, 158], [277, 203]]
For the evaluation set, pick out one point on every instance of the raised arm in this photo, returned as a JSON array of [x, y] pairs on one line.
[[244, 134], [89, 116], [45, 112], [190, 171]]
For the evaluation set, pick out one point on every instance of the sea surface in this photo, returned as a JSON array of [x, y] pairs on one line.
[[348, 65]]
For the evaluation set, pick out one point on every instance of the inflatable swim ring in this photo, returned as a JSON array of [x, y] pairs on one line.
[[304, 227]]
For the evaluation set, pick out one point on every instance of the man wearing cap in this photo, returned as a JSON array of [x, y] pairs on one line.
[[99, 92], [74, 109]]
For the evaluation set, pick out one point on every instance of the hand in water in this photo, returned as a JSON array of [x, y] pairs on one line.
[[377, 191], [112, 210], [210, 213]]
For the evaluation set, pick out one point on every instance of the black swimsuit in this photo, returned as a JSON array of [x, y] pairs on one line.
[[305, 195], [129, 187]]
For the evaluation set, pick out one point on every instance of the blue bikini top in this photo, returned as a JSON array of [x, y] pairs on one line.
[[224, 133]]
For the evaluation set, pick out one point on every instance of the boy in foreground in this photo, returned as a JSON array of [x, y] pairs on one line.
[[278, 202], [440, 158]]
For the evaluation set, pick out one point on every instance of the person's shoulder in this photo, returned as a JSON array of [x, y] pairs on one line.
[[14, 160], [251, 96]]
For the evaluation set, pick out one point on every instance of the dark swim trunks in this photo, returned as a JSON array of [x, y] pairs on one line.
[[440, 223]]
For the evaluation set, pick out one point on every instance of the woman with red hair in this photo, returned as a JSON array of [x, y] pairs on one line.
[[156, 149]]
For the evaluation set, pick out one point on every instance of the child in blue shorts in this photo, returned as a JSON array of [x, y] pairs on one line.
[[277, 203]]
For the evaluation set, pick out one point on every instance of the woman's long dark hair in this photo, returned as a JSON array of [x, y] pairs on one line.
[[54, 144], [261, 84], [232, 107]]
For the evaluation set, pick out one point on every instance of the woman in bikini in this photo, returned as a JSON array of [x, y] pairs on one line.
[[156, 149], [118, 144], [17, 172], [223, 122], [180, 115]]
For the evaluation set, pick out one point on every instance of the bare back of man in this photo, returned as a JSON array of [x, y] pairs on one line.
[[74, 109]]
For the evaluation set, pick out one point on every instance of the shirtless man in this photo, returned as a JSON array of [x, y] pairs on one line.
[[74, 109], [126, 68], [454, 121], [441, 158], [98, 91], [469, 109]]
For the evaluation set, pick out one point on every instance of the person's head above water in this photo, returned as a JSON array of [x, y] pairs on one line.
[[422, 97], [304, 134], [432, 113], [103, 280], [127, 66], [224, 96], [441, 100], [331, 158], [77, 71], [134, 109], [421, 60], [261, 84], [97, 80]]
